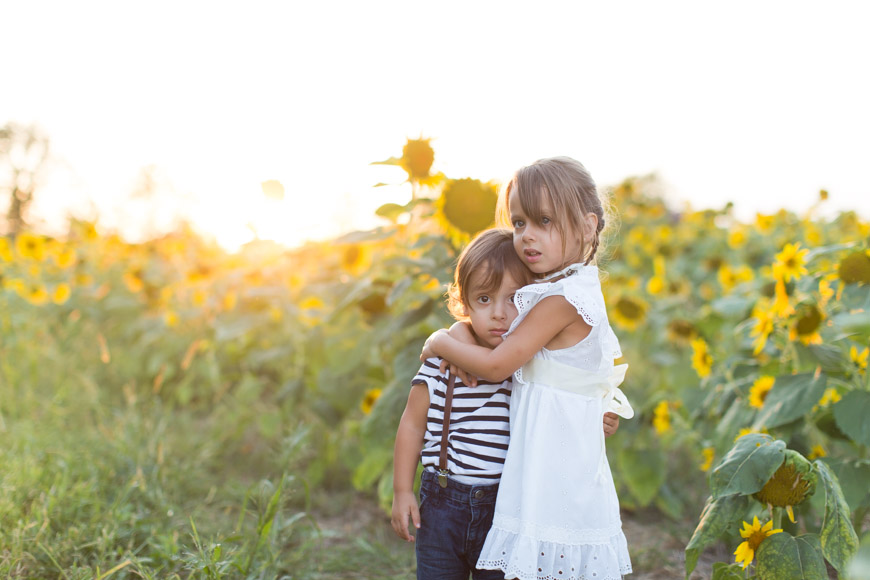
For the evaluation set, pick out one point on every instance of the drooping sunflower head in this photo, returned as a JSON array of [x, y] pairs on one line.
[[468, 205], [790, 485], [681, 331], [806, 326], [855, 268], [629, 312], [417, 158], [30, 246]]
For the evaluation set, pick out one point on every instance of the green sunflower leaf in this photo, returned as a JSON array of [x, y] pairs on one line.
[[851, 413], [748, 466], [791, 397], [723, 571], [718, 514], [784, 556], [839, 540]]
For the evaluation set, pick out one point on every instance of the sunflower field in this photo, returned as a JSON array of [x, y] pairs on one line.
[[172, 410]]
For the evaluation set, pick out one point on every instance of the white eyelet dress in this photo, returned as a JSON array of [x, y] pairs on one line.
[[557, 514]]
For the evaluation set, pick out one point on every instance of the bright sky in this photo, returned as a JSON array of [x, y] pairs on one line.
[[760, 103]]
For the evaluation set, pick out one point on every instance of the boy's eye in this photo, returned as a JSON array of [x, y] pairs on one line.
[[511, 298], [483, 299]]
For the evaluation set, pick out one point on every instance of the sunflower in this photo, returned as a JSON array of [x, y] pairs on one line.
[[355, 259], [764, 324], [681, 331], [855, 268], [758, 391], [30, 246], [133, 280], [468, 205], [34, 293], [753, 534], [831, 395], [789, 263], [629, 312], [737, 238], [748, 431], [702, 362], [764, 222], [816, 452], [731, 277], [806, 327], [859, 358], [65, 258], [662, 418], [708, 454], [792, 483], [61, 293], [5, 250], [371, 397], [417, 158], [781, 307]]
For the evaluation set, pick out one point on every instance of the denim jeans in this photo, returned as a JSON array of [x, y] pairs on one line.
[[454, 521]]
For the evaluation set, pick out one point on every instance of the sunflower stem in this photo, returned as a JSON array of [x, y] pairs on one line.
[[777, 518]]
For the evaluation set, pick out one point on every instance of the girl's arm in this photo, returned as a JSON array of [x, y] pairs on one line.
[[543, 322], [406, 454]]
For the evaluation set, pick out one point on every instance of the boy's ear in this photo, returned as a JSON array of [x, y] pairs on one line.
[[465, 311]]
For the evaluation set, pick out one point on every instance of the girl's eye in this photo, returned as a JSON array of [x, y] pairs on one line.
[[545, 220], [519, 223]]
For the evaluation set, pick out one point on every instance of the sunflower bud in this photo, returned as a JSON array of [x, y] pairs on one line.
[[417, 158], [792, 484]]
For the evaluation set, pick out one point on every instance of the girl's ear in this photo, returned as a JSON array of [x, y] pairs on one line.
[[591, 227]]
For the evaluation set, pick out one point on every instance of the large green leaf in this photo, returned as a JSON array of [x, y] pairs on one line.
[[851, 414], [643, 470], [748, 466], [791, 397], [783, 556], [718, 514], [839, 540]]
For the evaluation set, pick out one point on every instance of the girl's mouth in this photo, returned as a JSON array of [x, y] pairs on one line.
[[532, 255]]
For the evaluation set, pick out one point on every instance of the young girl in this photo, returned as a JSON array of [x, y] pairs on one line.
[[453, 520], [557, 514]]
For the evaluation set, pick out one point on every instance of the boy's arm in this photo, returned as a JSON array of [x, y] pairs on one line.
[[406, 454], [543, 322], [611, 423]]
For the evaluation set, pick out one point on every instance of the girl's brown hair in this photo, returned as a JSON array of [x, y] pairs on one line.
[[482, 265], [571, 193]]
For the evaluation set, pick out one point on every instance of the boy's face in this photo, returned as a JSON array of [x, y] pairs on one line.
[[491, 313]]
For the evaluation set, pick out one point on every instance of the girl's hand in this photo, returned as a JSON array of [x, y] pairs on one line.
[[611, 423], [404, 505]]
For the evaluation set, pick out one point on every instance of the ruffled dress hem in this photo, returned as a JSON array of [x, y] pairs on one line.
[[527, 558]]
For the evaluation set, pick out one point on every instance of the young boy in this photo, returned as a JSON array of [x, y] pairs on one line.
[[452, 521]]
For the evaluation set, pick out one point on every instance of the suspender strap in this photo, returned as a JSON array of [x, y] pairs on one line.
[[445, 428]]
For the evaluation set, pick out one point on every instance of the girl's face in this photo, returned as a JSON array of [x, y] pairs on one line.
[[539, 244], [491, 313]]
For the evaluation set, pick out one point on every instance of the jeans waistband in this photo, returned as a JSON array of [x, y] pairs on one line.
[[458, 491]]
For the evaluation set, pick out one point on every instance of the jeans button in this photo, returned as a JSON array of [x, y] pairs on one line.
[[478, 494]]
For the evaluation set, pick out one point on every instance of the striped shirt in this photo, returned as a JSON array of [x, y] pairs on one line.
[[479, 432]]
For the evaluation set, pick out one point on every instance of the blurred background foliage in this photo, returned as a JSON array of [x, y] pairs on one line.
[[169, 409]]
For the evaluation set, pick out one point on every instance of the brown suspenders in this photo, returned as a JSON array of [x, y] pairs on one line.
[[445, 427]]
